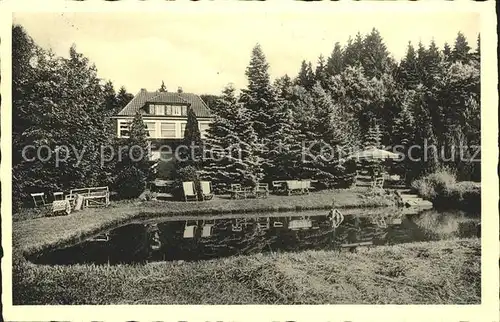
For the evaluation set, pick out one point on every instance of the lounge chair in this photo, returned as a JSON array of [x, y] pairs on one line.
[[189, 191], [38, 198], [206, 189]]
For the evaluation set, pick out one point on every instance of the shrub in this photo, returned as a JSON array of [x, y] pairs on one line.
[[444, 191]]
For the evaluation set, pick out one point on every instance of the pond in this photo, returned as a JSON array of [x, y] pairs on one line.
[[202, 238]]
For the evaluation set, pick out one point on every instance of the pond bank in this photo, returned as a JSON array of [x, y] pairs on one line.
[[441, 272], [39, 234]]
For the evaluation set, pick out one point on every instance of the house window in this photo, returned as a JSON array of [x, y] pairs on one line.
[[160, 110], [168, 110], [151, 128], [176, 110], [184, 110], [203, 129], [151, 109], [183, 129], [168, 130], [124, 129]]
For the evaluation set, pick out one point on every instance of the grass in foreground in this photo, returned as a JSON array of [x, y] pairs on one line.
[[443, 272]]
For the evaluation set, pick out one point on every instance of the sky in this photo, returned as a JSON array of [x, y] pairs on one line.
[[202, 53]]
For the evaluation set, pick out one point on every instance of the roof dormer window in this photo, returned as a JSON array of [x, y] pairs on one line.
[[159, 109]]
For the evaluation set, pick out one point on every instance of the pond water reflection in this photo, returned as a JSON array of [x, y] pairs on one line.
[[211, 237]]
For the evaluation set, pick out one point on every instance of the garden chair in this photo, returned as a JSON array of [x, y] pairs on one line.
[[58, 196], [278, 186], [237, 191], [206, 189], [378, 182], [38, 198], [189, 192], [262, 190], [78, 201], [238, 224]]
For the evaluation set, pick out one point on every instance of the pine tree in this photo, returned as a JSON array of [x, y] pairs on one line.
[[461, 50], [191, 155], [353, 51], [432, 66], [211, 101], [425, 160], [258, 97], [305, 78], [374, 56], [324, 139], [282, 86], [320, 74], [246, 153], [123, 98], [283, 149], [221, 142], [335, 64], [477, 53], [447, 52], [162, 88], [403, 132], [409, 72], [133, 168]]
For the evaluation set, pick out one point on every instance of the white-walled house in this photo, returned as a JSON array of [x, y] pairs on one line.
[[165, 115]]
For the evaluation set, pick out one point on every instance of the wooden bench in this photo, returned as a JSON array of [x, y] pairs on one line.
[[94, 196], [61, 206]]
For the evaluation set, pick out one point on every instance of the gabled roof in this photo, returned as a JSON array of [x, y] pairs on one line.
[[199, 107]]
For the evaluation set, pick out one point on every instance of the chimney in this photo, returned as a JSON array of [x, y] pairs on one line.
[[143, 90], [179, 89]]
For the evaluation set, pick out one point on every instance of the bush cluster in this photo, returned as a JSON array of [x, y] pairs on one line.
[[441, 187]]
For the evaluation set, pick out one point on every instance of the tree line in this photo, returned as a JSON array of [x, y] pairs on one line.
[[358, 96]]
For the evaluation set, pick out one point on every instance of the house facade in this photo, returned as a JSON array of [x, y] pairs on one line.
[[165, 116]]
